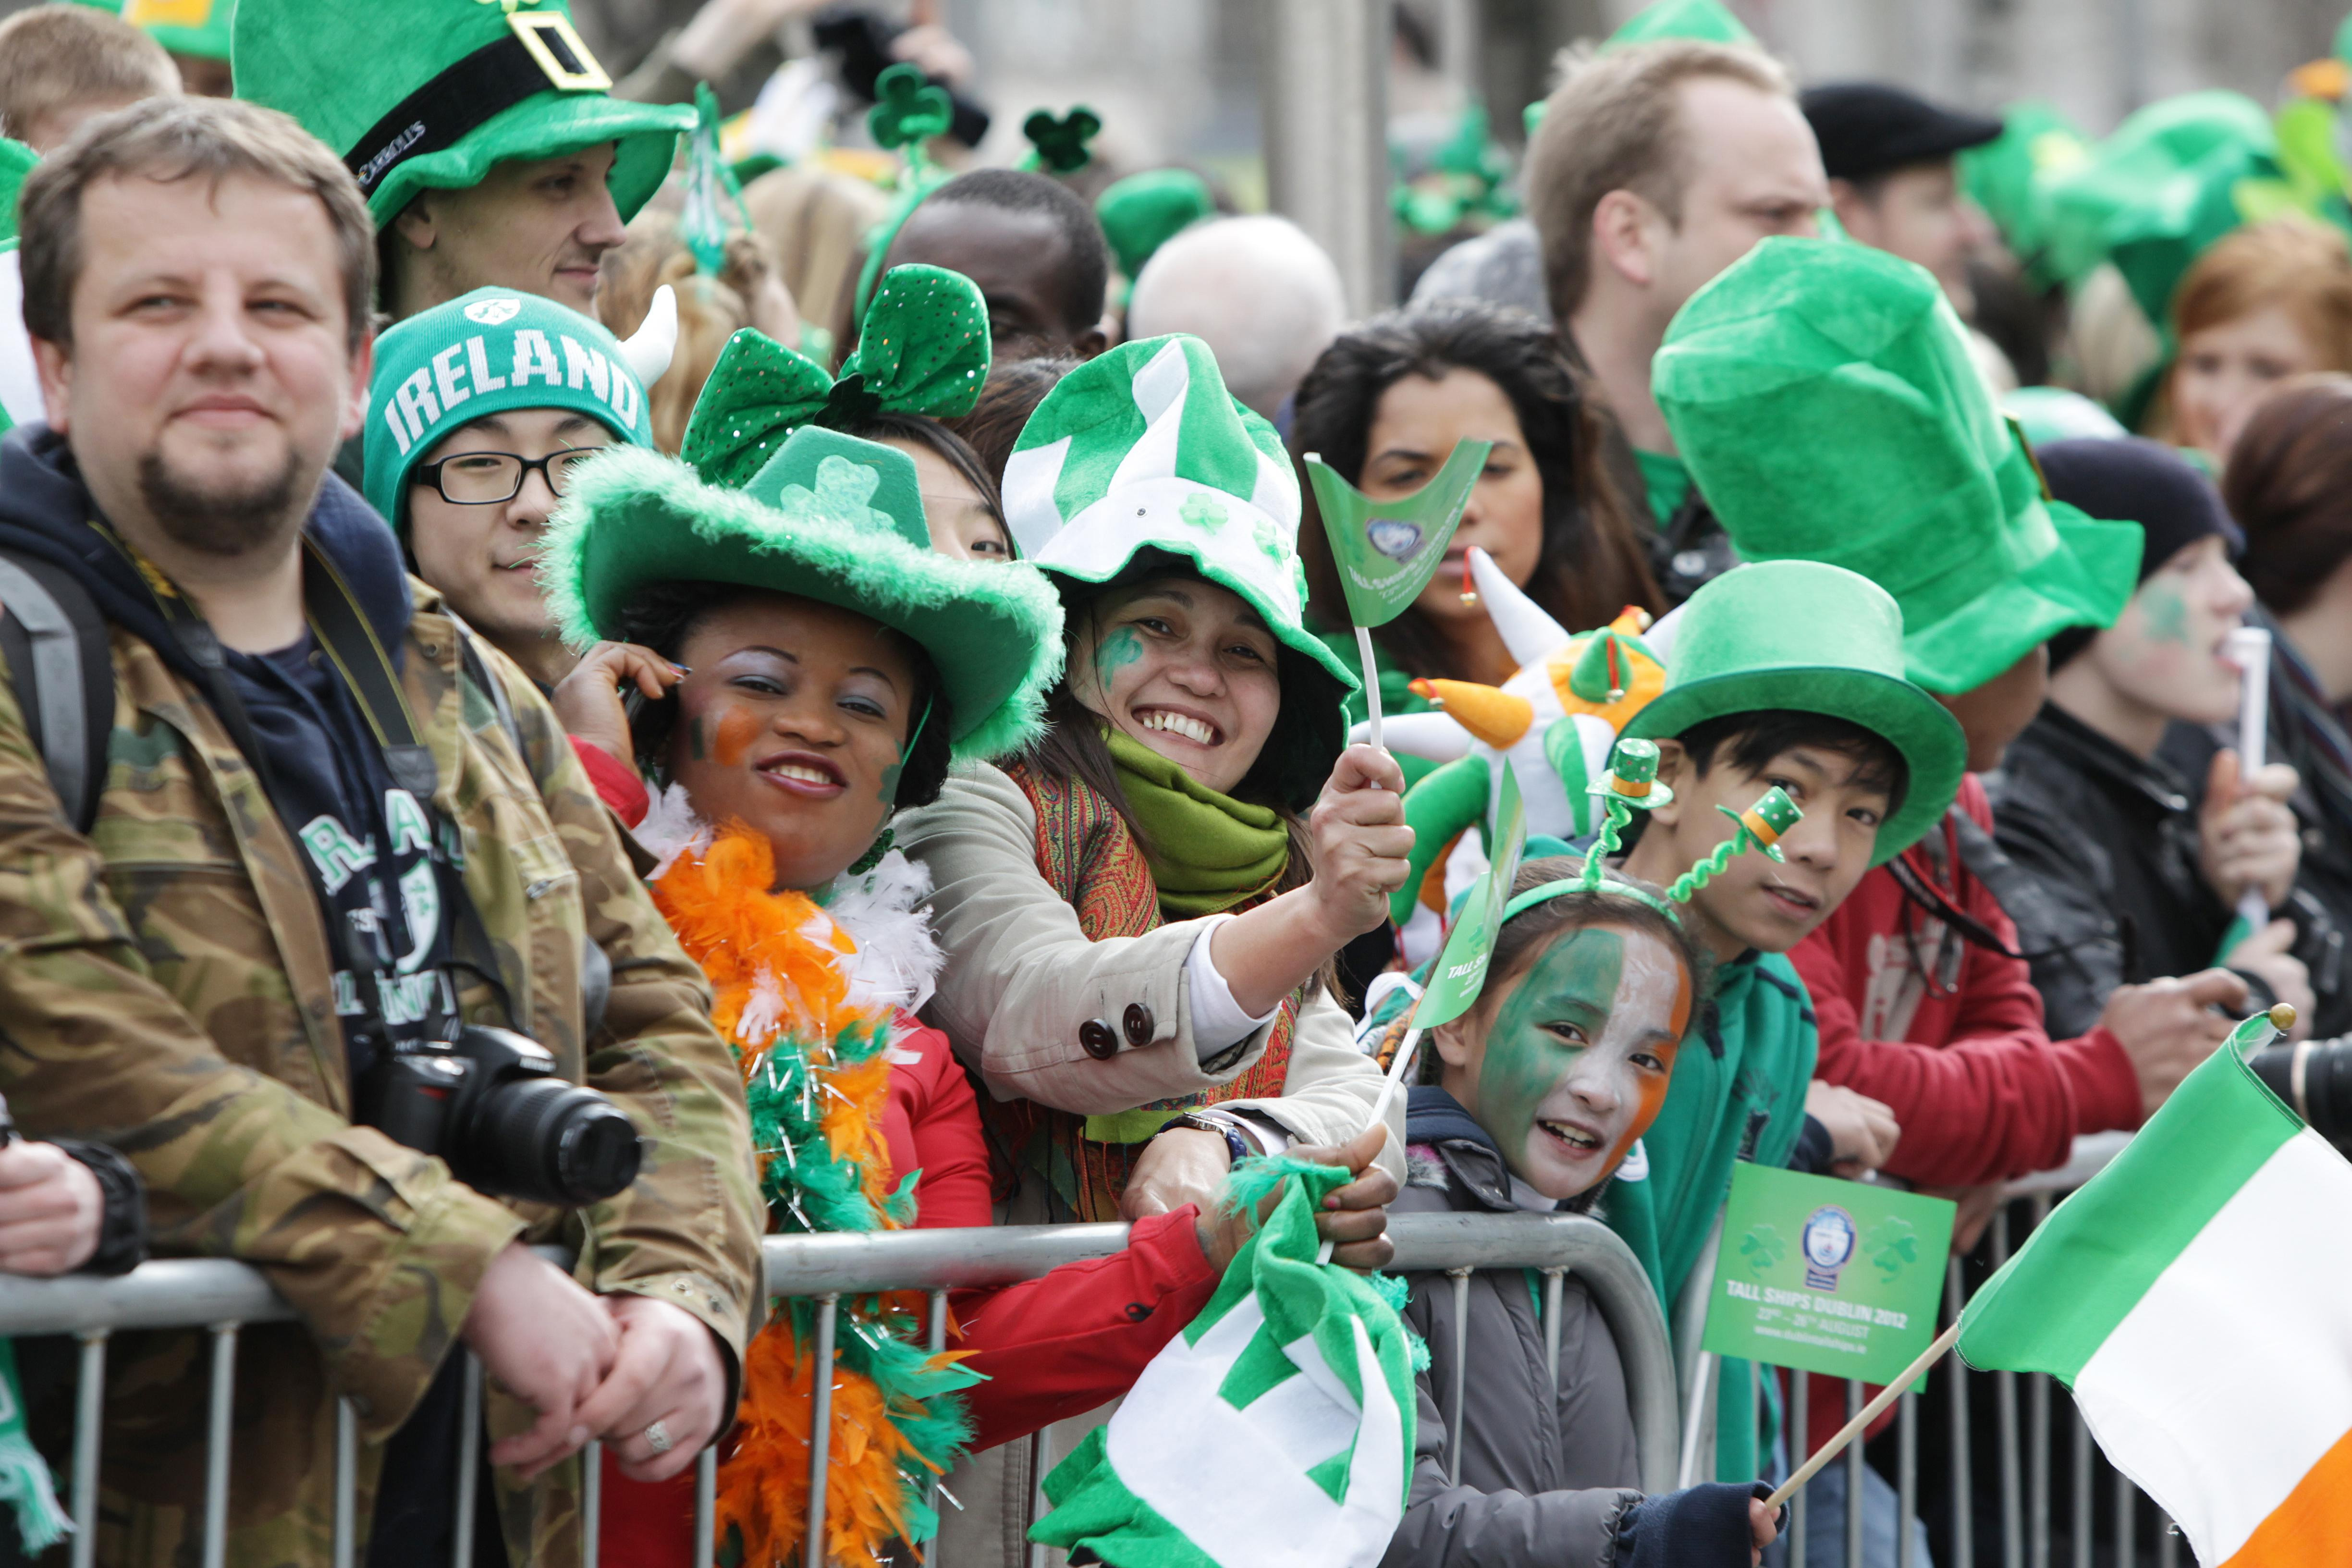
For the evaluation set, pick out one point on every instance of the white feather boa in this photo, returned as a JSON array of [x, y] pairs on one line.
[[883, 910]]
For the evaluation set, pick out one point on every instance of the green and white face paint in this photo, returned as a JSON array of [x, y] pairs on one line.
[[2165, 653], [1569, 1065]]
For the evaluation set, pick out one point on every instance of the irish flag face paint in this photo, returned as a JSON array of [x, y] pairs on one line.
[[2197, 1296]]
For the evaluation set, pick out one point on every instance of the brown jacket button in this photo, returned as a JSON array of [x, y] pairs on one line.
[[1136, 1022], [1099, 1042]]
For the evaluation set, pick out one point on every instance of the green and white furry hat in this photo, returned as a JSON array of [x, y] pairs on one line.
[[830, 518], [1142, 449]]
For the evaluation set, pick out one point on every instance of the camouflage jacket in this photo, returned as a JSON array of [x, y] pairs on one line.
[[165, 987]]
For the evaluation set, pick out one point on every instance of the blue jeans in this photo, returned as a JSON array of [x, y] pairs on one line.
[[1825, 1524]]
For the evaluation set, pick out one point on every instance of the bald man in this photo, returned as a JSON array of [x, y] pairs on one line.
[[1264, 296]]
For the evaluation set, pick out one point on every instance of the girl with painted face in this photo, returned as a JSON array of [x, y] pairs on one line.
[[805, 666], [1529, 1102], [2141, 884]]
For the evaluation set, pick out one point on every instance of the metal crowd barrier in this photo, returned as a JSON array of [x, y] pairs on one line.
[[222, 1297], [2023, 1442]]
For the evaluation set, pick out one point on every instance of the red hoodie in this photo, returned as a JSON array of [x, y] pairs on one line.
[[1979, 1087], [1052, 1347]]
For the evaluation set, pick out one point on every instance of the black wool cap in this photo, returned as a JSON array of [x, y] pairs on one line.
[[2135, 481], [1867, 128]]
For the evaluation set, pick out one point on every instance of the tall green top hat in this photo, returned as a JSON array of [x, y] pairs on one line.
[[484, 353], [1818, 639], [430, 93], [1142, 449], [831, 517], [1823, 398], [197, 28]]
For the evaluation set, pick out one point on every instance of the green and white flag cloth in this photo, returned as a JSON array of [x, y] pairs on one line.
[[1387, 551], [1276, 1431], [1460, 973], [2197, 1296]]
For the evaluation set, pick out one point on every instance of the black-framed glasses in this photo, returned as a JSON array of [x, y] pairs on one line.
[[486, 479]]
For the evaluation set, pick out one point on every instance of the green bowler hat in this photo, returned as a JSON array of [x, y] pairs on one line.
[[428, 94], [1801, 636], [830, 518], [1823, 398]]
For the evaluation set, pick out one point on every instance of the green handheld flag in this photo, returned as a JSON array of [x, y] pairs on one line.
[[1387, 551]]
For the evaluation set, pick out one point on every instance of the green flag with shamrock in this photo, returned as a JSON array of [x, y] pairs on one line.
[[1276, 1431], [1387, 551], [1461, 970]]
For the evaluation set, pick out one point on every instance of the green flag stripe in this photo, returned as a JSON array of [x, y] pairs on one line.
[[2090, 1262]]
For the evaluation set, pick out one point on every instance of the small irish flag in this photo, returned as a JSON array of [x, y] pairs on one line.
[[2197, 1296]]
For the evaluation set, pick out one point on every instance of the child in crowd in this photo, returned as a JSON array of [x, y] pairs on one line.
[[2135, 881], [821, 667], [1784, 674], [60, 65], [921, 358], [1530, 1100]]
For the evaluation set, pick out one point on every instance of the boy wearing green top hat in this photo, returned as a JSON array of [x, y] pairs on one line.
[[481, 412], [482, 136], [1788, 675]]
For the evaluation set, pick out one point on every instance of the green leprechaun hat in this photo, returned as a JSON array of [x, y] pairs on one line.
[[428, 94], [1823, 397], [831, 517], [1814, 638], [482, 354], [1707, 21], [1142, 449], [1144, 211], [196, 28]]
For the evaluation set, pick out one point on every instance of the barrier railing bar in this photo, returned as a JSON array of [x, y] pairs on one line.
[[1906, 1478], [1853, 1461], [935, 1336], [1695, 1423], [1461, 1277], [591, 1504], [222, 1400], [347, 1483], [2126, 1518], [2004, 1388], [1801, 1447], [828, 1307], [706, 1508], [89, 1419], [2037, 1465], [2081, 1492], [1963, 1515], [1554, 1280], [469, 1458], [2167, 1542], [1040, 1461]]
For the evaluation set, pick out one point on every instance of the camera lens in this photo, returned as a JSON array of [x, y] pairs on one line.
[[549, 1142], [2316, 1078]]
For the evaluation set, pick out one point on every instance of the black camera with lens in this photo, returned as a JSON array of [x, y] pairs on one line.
[[2315, 1077], [489, 1104]]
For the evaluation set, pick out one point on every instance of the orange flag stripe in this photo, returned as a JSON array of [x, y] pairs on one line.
[[2312, 1525]]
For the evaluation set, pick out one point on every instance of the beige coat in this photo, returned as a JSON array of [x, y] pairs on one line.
[[1022, 980]]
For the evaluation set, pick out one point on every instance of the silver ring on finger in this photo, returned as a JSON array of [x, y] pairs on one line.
[[658, 1439]]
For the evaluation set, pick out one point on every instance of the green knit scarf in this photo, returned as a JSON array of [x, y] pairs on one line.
[[1207, 851]]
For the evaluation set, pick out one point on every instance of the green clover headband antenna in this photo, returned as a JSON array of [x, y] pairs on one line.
[[1061, 144]]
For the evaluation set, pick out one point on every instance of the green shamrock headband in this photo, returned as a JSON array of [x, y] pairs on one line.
[[922, 349], [1632, 784], [1061, 145]]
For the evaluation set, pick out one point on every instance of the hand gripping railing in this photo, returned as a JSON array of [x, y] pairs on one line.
[[222, 1297]]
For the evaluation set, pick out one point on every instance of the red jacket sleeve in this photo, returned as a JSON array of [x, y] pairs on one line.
[[1071, 1341], [617, 785], [1989, 1096]]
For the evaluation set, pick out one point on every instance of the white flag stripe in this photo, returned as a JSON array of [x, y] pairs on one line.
[[2185, 1396]]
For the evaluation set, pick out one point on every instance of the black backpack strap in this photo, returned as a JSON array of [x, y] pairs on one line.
[[63, 674]]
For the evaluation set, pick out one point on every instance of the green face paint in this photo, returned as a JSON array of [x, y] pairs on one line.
[[2165, 613], [1573, 980], [1115, 653], [890, 779], [694, 745]]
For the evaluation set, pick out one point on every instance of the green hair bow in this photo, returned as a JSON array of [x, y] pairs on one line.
[[922, 349]]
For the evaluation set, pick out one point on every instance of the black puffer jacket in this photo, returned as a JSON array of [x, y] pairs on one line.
[[1548, 1469]]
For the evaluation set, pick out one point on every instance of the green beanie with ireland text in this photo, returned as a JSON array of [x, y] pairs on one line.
[[492, 351]]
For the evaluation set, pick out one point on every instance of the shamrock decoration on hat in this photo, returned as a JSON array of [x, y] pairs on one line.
[[1141, 450], [922, 349], [1061, 145], [431, 93], [1823, 396]]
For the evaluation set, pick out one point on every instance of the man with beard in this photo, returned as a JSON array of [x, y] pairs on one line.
[[332, 828]]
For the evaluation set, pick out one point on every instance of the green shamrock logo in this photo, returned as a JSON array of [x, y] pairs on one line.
[[1062, 143], [1892, 1245], [1762, 1247], [1205, 512], [907, 107]]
